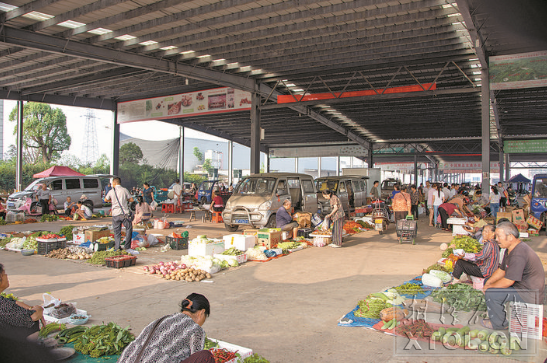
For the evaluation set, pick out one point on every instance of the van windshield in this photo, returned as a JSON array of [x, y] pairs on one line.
[[331, 185], [206, 185], [35, 185], [540, 188], [258, 186]]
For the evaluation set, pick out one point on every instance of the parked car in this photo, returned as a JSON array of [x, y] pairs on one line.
[[388, 187], [61, 187], [257, 198], [351, 190]]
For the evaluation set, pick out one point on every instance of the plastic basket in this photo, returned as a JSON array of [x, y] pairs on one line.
[[177, 243], [526, 319], [304, 232], [45, 247], [120, 261]]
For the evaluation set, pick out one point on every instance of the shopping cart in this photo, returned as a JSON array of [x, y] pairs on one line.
[[407, 230]]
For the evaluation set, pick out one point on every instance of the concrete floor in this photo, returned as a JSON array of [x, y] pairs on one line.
[[285, 310]]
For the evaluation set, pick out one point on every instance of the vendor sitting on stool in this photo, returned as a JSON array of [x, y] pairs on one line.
[[283, 218], [482, 264], [217, 204]]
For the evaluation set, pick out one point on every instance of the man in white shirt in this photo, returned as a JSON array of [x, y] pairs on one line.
[[119, 196], [177, 192]]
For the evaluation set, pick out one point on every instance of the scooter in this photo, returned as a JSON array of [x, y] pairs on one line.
[[380, 216], [31, 208]]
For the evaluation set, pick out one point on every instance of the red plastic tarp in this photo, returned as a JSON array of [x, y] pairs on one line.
[[57, 171]]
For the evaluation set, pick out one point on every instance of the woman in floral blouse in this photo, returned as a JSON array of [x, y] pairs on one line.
[[16, 316], [176, 338]]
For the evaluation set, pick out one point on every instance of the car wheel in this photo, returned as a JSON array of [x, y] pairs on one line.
[[230, 228], [271, 222], [33, 207]]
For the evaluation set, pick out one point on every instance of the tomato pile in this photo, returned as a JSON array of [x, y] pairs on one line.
[[352, 227], [50, 236]]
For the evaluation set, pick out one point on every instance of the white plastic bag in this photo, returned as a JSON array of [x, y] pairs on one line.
[[152, 240], [49, 303], [154, 205]]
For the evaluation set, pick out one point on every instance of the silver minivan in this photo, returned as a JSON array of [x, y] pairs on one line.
[[351, 190], [62, 187], [257, 198]]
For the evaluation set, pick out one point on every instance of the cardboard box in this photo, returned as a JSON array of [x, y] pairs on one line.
[[78, 238], [269, 237], [533, 232], [521, 226], [504, 215], [303, 219], [250, 232], [92, 235], [518, 216], [534, 222], [239, 241]]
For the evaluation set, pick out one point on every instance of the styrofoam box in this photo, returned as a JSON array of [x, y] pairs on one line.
[[203, 249], [239, 241], [364, 219], [240, 258], [243, 352], [456, 220], [78, 238], [51, 319]]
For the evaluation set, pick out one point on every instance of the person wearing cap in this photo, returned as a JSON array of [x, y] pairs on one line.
[[176, 338]]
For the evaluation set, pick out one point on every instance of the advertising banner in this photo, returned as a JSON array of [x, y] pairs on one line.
[[524, 70], [210, 101], [525, 146]]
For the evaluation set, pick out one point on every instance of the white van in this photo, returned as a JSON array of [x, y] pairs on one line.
[[61, 187]]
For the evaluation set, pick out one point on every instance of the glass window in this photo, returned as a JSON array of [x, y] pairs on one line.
[[91, 183], [540, 188], [342, 188], [324, 184], [256, 186], [56, 185], [72, 183], [294, 183], [206, 185], [35, 185], [307, 186], [356, 186]]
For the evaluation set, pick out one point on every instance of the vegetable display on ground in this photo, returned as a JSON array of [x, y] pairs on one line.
[[461, 297], [409, 289], [372, 305], [100, 340]]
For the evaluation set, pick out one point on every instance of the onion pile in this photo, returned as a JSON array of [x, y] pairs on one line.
[[164, 268]]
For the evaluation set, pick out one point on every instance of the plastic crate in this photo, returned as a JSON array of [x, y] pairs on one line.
[[304, 232], [526, 319], [45, 247], [120, 261], [177, 243]]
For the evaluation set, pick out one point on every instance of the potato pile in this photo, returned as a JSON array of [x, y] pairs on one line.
[[188, 274], [69, 253]]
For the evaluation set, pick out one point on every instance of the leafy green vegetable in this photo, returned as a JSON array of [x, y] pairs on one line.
[[209, 344], [67, 232], [371, 307], [8, 296], [255, 358], [99, 256], [461, 297], [100, 340], [409, 289], [232, 252]]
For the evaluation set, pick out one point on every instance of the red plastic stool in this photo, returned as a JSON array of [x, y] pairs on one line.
[[168, 208], [217, 217]]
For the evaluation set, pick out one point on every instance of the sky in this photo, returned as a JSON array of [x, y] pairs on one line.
[[147, 130]]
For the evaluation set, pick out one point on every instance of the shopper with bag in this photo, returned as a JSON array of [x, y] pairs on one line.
[[176, 338], [121, 215], [336, 216]]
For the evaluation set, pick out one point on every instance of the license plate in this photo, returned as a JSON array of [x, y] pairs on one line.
[[242, 221]]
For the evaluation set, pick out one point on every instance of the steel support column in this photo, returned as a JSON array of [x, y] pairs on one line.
[[115, 162], [181, 156], [230, 162], [501, 161], [416, 170], [255, 133], [338, 166], [268, 162], [19, 166], [296, 164], [319, 167], [485, 108], [507, 167], [371, 156]]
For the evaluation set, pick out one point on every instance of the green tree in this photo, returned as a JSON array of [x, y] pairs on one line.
[[208, 166], [198, 154], [44, 130], [130, 153]]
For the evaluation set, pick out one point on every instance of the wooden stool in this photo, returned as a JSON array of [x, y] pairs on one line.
[[217, 217], [192, 215]]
